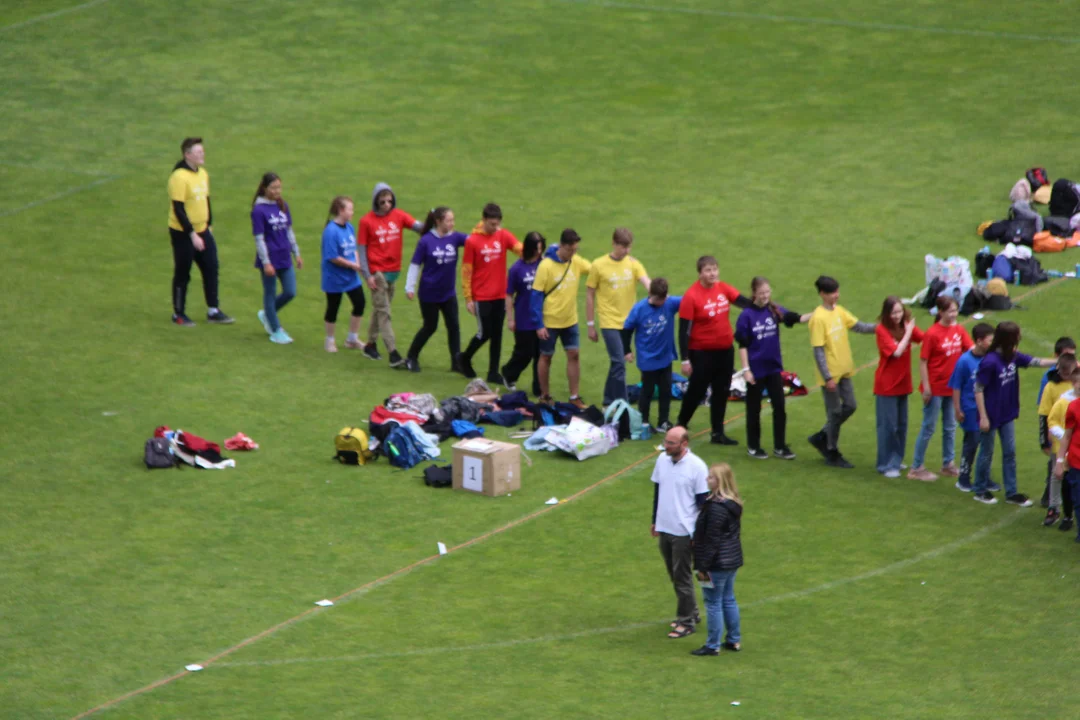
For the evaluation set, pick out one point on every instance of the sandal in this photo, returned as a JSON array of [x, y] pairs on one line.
[[681, 631]]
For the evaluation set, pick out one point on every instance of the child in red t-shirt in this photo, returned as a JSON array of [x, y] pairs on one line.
[[1067, 464], [707, 345], [895, 332], [379, 246], [943, 344]]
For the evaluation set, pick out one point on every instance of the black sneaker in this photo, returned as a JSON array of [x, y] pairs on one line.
[[784, 453], [455, 363], [182, 320], [664, 426], [963, 486], [412, 365], [1045, 501], [218, 318], [837, 460], [985, 498], [396, 361], [1052, 516], [820, 443], [371, 352], [465, 367], [1019, 499], [758, 454], [993, 487], [705, 650], [1066, 524], [494, 378], [722, 439]]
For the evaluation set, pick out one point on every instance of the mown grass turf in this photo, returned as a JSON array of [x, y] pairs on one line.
[[783, 144]]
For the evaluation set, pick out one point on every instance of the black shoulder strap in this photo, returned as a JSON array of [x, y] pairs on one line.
[[555, 287]]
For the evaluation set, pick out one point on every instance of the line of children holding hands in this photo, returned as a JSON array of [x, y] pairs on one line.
[[963, 379]]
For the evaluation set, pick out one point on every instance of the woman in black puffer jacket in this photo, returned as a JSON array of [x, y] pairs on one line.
[[717, 557]]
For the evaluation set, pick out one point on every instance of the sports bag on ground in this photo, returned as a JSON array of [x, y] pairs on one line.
[[401, 449], [626, 418], [158, 455], [352, 447]]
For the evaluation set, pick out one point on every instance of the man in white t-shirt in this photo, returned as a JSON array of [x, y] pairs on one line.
[[681, 479]]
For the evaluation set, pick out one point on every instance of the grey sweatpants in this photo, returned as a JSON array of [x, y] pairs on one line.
[[839, 406]]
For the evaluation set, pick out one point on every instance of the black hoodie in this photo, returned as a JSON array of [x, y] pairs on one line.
[[717, 542]]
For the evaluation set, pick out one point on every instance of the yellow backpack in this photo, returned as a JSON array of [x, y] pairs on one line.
[[352, 447]]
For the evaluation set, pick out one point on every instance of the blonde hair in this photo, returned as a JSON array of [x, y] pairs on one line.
[[722, 483]]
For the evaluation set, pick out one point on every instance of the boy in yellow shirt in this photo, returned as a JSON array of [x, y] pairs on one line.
[[829, 326], [1052, 407], [612, 290], [554, 307], [190, 221]]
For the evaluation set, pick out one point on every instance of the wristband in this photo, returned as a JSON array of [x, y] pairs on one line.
[[1060, 461], [590, 323]]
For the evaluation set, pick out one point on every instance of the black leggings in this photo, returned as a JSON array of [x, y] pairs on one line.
[[526, 350], [430, 313], [774, 384], [651, 379], [333, 302], [490, 315], [708, 368], [184, 254]]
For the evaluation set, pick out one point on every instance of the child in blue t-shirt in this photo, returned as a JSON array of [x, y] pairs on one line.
[[654, 320], [340, 268], [962, 383]]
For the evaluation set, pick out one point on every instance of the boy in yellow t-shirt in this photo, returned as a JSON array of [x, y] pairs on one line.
[[556, 283], [1058, 393], [190, 229], [829, 326], [612, 290]]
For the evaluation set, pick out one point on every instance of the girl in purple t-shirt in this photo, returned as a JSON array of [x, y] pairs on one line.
[[757, 332], [519, 320], [275, 248], [997, 395], [437, 256]]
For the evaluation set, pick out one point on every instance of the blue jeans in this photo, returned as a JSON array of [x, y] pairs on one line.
[[948, 431], [615, 385], [272, 303], [1007, 432], [570, 336], [892, 421], [721, 609], [1072, 480], [967, 455]]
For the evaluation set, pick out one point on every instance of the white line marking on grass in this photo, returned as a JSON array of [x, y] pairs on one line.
[[798, 594], [799, 20], [50, 16], [58, 196], [53, 168]]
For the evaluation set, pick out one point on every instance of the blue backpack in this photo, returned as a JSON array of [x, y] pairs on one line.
[[400, 449]]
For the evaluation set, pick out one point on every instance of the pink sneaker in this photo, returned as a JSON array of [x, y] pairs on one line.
[[950, 470], [331, 345], [354, 344], [921, 473]]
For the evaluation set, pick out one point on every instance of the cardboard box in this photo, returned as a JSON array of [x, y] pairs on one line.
[[488, 467]]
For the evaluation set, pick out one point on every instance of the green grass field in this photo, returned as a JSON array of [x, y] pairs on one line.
[[789, 139]]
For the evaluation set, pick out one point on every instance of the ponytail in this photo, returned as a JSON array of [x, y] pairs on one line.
[[267, 179], [337, 205], [435, 215]]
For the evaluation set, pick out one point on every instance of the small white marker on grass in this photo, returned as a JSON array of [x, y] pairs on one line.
[[736, 703], [193, 668], [324, 603], [552, 501], [442, 549]]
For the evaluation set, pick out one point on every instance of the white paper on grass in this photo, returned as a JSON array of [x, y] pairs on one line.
[[736, 703], [472, 471], [193, 668], [324, 603], [552, 501], [442, 549], [978, 316]]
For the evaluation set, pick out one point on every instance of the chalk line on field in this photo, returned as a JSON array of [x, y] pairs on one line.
[[822, 21], [49, 16], [899, 565], [58, 196], [401, 572], [54, 168]]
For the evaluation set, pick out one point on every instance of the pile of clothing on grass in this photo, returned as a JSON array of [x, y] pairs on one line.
[[1026, 225], [173, 448]]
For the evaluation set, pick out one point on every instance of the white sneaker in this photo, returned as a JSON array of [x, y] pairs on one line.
[[280, 337], [266, 326], [330, 345], [892, 473]]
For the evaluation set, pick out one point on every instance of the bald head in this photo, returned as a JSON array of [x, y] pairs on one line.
[[676, 442]]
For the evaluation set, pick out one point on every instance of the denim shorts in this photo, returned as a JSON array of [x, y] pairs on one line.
[[571, 339]]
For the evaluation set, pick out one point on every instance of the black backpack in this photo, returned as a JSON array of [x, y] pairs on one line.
[[937, 286], [438, 477], [983, 262], [1037, 177], [1030, 269], [157, 454]]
